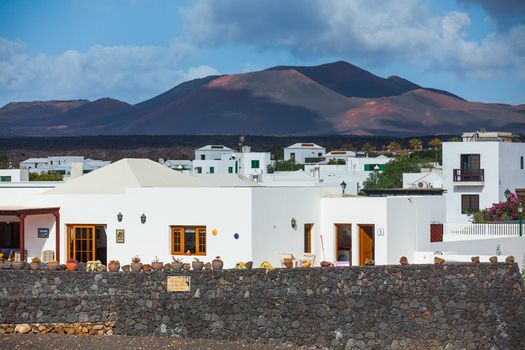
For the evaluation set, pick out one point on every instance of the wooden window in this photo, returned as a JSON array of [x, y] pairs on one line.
[[436, 233], [520, 193], [255, 164], [188, 240], [308, 238], [81, 242], [470, 162], [469, 203]]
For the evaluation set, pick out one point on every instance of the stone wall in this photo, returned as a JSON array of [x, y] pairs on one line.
[[415, 306]]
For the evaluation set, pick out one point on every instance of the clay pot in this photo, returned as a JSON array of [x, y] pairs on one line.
[[17, 265], [157, 265], [126, 268], [114, 267], [438, 261], [53, 266], [186, 266], [34, 266], [248, 265], [207, 266], [136, 267], [146, 267], [176, 265], [403, 260], [509, 259], [493, 259], [326, 264], [370, 262], [288, 263], [475, 259], [197, 265], [217, 263], [71, 266]]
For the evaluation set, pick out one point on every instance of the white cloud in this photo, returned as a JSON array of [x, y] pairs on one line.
[[130, 73], [378, 32]]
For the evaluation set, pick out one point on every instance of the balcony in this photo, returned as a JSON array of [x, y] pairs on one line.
[[473, 177]]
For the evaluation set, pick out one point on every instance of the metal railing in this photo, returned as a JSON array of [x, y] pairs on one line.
[[460, 232], [473, 175]]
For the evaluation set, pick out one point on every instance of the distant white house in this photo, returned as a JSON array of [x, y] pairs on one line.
[[69, 166], [304, 153], [12, 175], [212, 152], [478, 171]]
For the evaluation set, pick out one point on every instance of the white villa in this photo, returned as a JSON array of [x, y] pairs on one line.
[[69, 166], [304, 153]]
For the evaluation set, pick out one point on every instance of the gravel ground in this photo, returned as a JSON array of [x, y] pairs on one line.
[[69, 342]]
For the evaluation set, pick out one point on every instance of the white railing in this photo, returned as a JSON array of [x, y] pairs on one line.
[[461, 232]]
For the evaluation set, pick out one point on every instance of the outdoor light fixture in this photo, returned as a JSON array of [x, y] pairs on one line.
[[343, 186], [507, 194], [294, 223], [143, 218], [520, 216], [119, 217]]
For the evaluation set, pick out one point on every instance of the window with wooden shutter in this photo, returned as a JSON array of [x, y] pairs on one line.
[[469, 203], [188, 240]]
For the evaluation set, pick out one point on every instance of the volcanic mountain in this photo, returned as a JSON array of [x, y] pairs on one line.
[[333, 98]]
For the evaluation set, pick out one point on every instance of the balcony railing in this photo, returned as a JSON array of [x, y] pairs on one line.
[[473, 175]]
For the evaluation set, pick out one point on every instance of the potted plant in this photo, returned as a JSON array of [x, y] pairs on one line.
[[197, 264], [52, 265], [186, 266], [217, 263], [156, 264], [35, 263], [114, 266], [207, 266], [17, 265], [94, 266], [326, 264], [176, 265], [136, 265], [71, 264], [248, 265], [146, 267]]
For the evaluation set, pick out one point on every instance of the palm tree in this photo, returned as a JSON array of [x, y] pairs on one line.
[[435, 143], [416, 144], [368, 147], [393, 146]]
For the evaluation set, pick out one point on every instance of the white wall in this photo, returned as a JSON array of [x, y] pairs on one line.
[[13, 173], [32, 243], [303, 152], [272, 212], [511, 175]]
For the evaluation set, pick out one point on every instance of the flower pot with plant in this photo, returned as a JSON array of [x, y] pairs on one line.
[[186, 266], [156, 264], [217, 263], [17, 265], [52, 265], [94, 266], [71, 264], [136, 265], [114, 266], [176, 265], [197, 264], [35, 263], [207, 266]]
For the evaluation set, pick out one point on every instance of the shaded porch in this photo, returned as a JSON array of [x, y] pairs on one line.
[[12, 231]]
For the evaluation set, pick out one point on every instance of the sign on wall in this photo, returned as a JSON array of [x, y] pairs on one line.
[[43, 232], [120, 236]]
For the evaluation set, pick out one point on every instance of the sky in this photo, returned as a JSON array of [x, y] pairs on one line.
[[133, 50]]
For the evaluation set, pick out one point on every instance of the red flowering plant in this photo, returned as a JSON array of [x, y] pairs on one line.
[[502, 211]]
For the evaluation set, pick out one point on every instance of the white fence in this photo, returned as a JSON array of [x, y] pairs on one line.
[[461, 232]]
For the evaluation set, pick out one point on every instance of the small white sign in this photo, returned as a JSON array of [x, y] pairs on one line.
[[380, 232]]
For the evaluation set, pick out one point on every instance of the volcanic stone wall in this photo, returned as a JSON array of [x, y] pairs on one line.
[[410, 307]]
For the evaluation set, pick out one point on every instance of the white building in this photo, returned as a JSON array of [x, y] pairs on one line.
[[478, 171], [12, 175], [431, 178], [212, 152], [303, 153], [69, 166], [181, 165]]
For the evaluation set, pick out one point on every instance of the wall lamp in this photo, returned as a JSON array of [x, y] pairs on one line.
[[143, 218], [119, 217]]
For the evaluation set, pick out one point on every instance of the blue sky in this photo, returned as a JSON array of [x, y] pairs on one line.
[[135, 49]]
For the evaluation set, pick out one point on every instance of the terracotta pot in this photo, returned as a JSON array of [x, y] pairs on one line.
[[34, 266], [17, 265], [126, 268], [114, 267], [248, 265], [52, 266], [217, 263], [207, 266], [197, 265], [146, 267], [326, 264], [71, 266], [186, 266], [288, 263], [136, 267], [176, 265], [157, 266]]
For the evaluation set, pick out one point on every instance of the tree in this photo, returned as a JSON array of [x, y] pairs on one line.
[[393, 146], [368, 147], [455, 139], [46, 177], [334, 161], [416, 144], [347, 147], [4, 162], [435, 143], [392, 176], [285, 165]]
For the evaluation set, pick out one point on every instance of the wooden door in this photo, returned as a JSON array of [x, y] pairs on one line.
[[81, 242], [366, 243]]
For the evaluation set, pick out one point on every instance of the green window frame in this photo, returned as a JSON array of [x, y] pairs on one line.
[[198, 169], [255, 164], [212, 170], [5, 178], [230, 170]]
